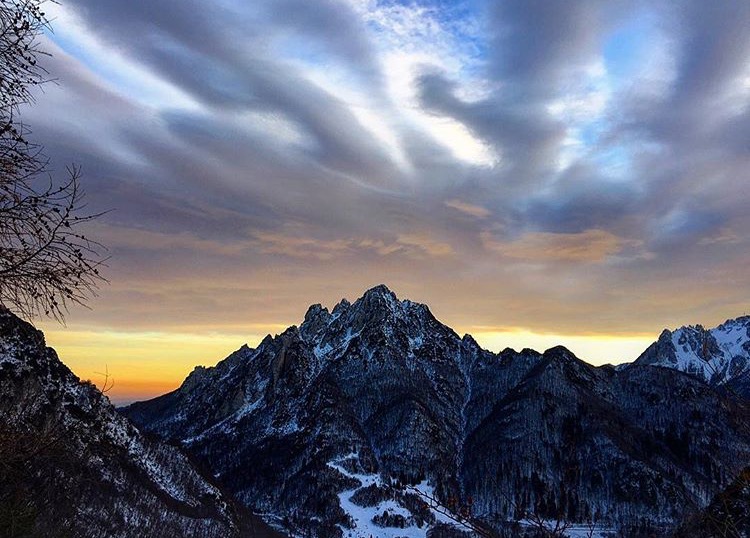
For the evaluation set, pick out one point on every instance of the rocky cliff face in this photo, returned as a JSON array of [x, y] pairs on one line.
[[70, 465], [718, 356], [311, 426]]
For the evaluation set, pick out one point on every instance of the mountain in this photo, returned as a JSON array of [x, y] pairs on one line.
[[718, 356], [71, 465], [311, 427]]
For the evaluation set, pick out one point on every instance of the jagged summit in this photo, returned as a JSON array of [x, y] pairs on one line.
[[374, 298], [380, 296], [381, 290], [377, 311], [316, 310], [340, 307]]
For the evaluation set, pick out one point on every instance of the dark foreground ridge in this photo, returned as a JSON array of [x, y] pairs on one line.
[[310, 427], [71, 466]]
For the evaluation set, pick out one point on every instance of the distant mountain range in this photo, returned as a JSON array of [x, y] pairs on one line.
[[355, 422], [312, 426]]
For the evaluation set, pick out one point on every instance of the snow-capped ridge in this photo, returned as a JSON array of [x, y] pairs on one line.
[[717, 355]]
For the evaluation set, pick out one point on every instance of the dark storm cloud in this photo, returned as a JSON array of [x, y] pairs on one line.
[[538, 51], [332, 23], [535, 47], [684, 225], [735, 137], [709, 47]]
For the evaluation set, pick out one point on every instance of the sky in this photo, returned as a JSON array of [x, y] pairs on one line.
[[537, 172]]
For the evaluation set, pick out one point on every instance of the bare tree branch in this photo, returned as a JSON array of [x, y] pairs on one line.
[[46, 261]]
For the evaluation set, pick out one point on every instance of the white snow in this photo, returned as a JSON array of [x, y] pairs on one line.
[[687, 359], [8, 353], [586, 531], [363, 516], [322, 351], [730, 337], [415, 342]]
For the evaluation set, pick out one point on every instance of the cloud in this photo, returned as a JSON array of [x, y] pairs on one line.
[[468, 209], [584, 247], [540, 45], [425, 243], [332, 23], [524, 137], [292, 243]]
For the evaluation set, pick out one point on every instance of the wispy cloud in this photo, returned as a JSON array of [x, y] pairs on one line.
[[587, 246], [469, 209]]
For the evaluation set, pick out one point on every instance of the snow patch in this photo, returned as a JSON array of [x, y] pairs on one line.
[[363, 517]]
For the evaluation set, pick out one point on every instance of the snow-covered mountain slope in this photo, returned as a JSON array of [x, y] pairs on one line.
[[70, 465], [308, 428], [717, 355]]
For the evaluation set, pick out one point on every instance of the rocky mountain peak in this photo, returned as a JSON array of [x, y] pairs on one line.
[[315, 312], [341, 307], [381, 290], [375, 303], [716, 355], [316, 321], [380, 303], [322, 417], [469, 340], [666, 334], [377, 314], [378, 300], [739, 320]]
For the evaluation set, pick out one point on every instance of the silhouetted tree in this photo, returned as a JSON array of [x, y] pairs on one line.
[[46, 262]]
